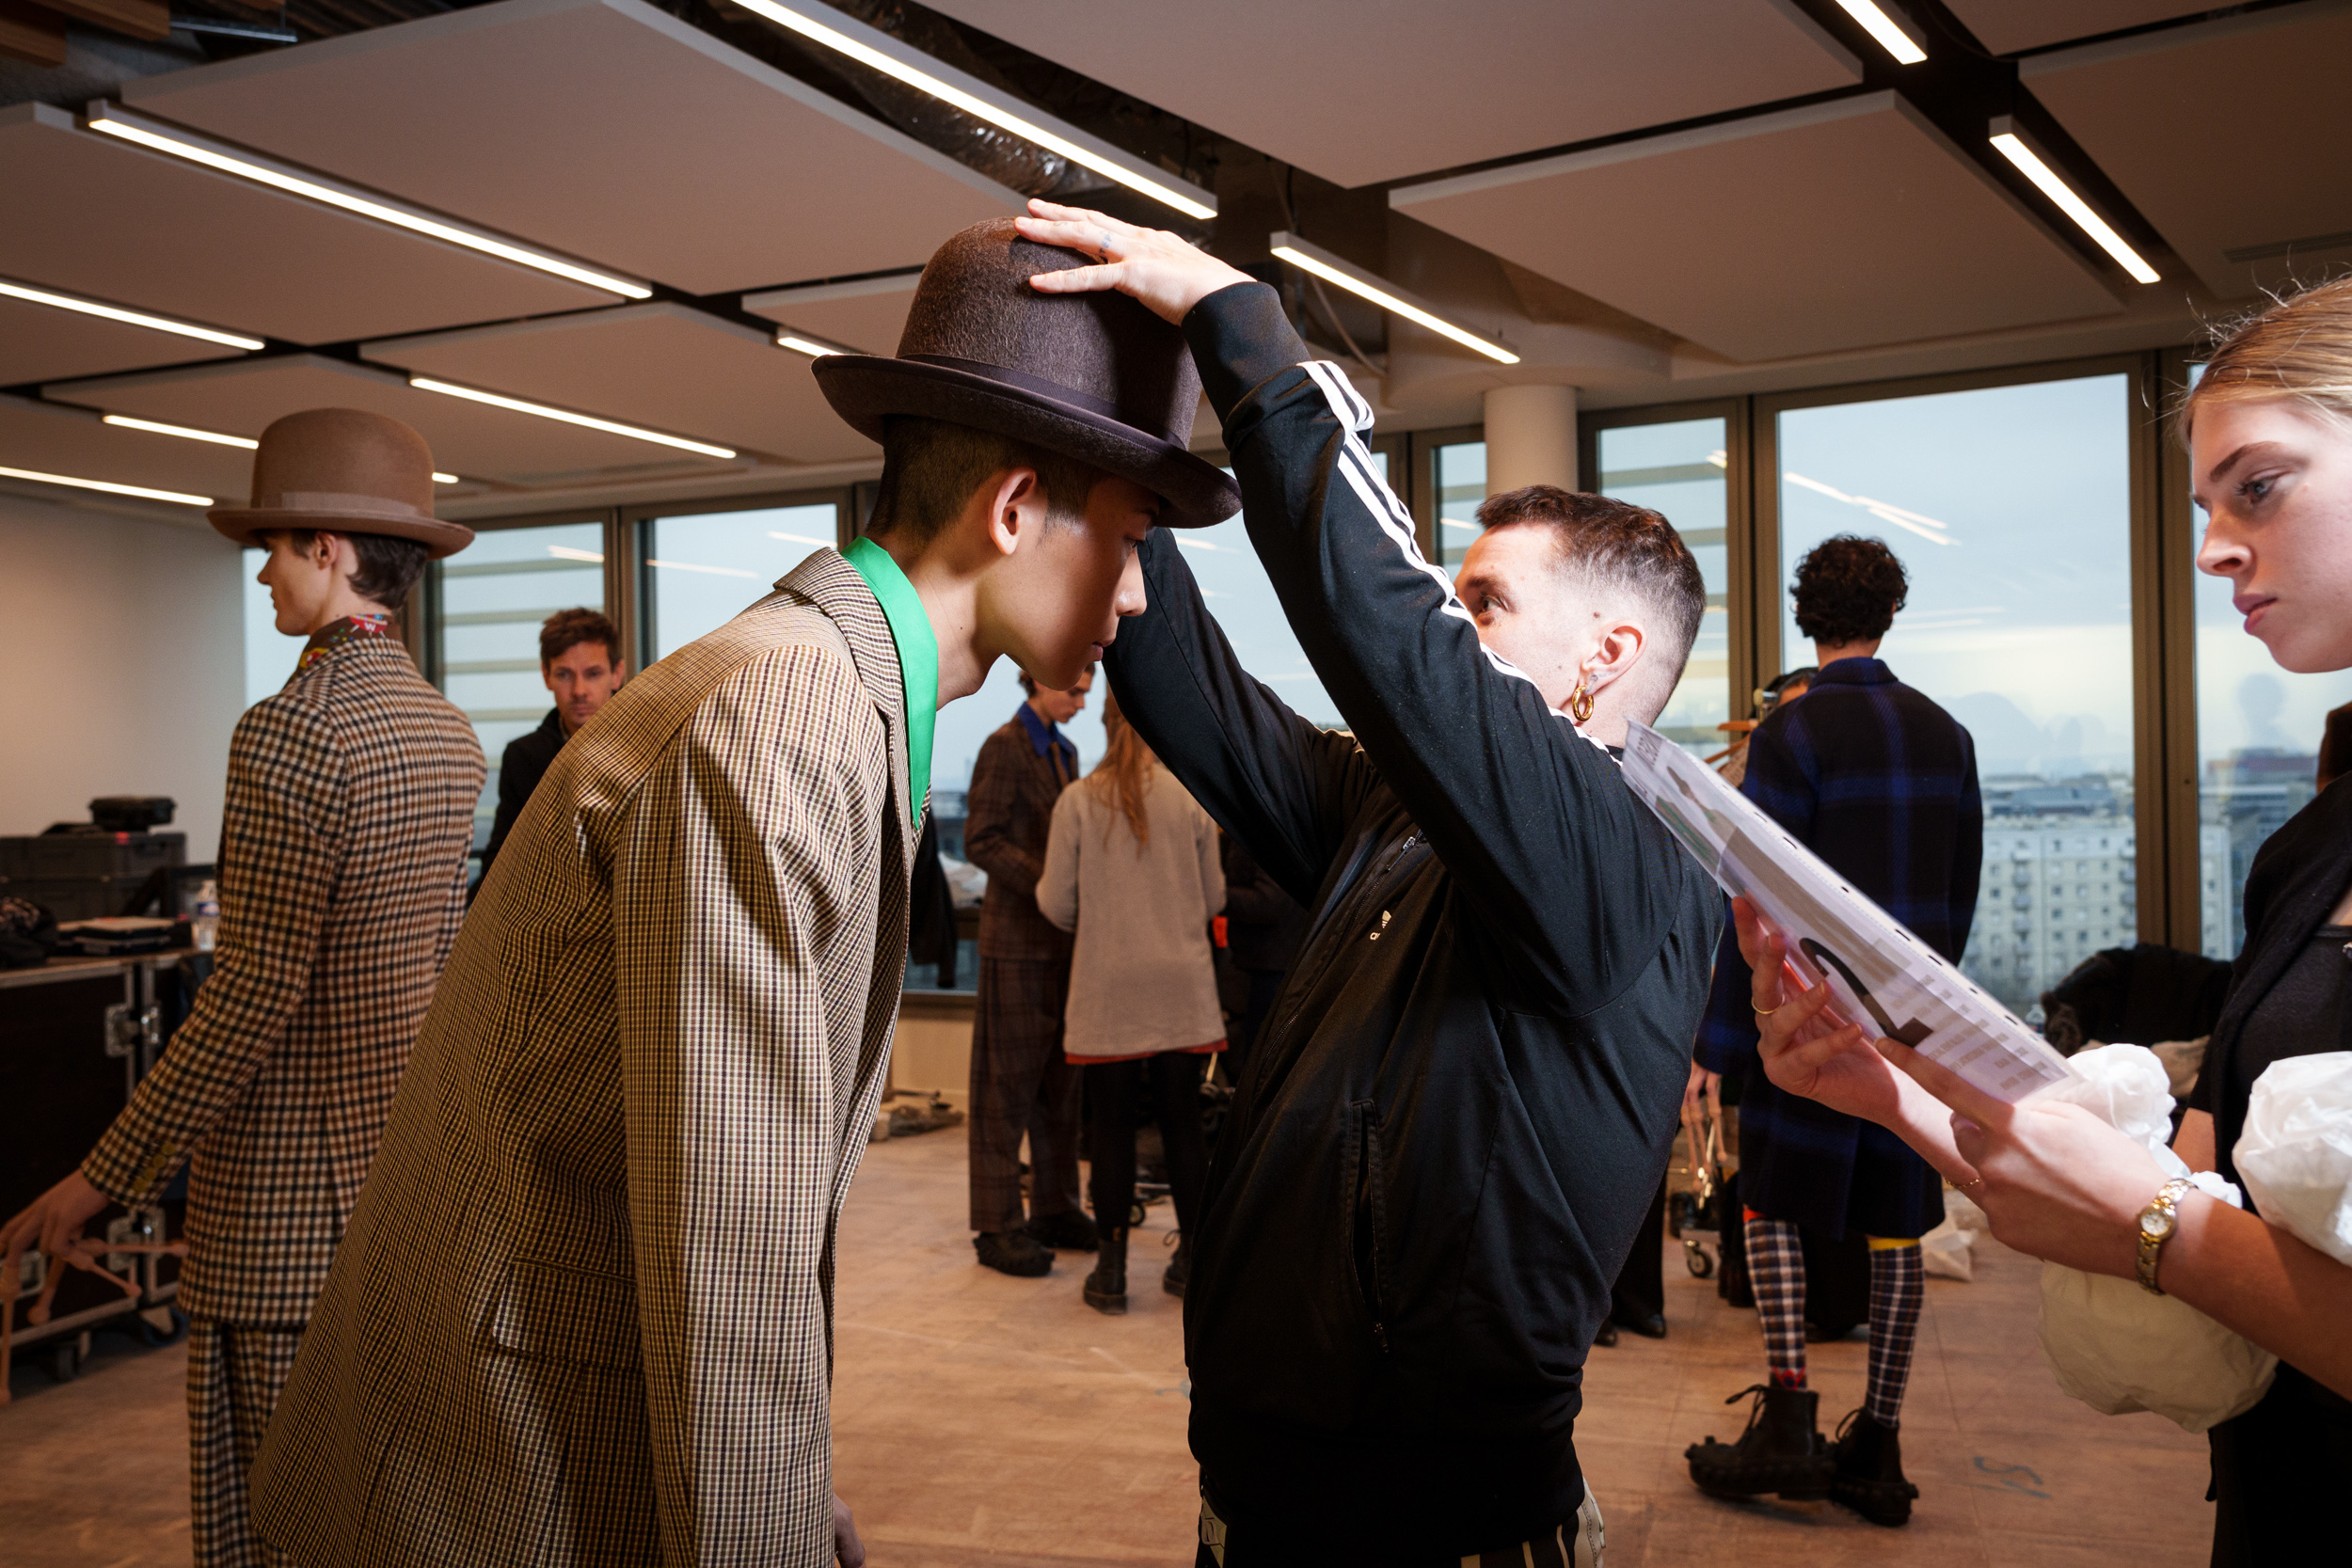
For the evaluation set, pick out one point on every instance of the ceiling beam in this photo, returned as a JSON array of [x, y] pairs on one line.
[[141, 18], [31, 33]]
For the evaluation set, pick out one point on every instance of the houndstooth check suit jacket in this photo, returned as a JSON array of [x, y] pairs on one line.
[[584, 1314], [342, 882]]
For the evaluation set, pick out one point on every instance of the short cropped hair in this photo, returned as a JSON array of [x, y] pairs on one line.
[[566, 630], [389, 568], [1849, 589], [1613, 544], [930, 467]]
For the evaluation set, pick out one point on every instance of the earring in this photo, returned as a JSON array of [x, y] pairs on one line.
[[1581, 703]]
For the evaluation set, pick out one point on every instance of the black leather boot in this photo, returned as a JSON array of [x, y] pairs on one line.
[[1179, 1273], [1870, 1477], [1106, 1289], [1782, 1451], [1013, 1252], [1067, 1231]]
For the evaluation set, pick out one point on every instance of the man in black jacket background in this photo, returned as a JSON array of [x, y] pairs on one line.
[[579, 659], [1452, 1126]]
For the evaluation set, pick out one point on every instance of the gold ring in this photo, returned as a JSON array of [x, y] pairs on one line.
[[1972, 1181], [1763, 1012]]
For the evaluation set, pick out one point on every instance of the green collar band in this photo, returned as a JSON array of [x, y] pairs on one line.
[[919, 661]]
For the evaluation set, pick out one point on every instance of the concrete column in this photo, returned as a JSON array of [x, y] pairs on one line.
[[1530, 438]]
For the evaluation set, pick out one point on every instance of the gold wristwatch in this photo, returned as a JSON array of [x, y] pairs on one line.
[[2157, 1222]]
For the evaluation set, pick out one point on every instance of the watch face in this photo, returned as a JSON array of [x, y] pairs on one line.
[[2156, 1223]]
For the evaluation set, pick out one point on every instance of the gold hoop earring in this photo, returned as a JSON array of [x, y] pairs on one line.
[[1580, 703]]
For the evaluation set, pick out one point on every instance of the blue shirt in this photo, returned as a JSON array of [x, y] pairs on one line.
[[1043, 736]]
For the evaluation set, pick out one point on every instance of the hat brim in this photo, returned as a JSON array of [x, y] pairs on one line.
[[866, 390], [440, 539]]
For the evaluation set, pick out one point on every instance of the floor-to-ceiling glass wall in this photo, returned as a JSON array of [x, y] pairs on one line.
[[704, 568], [1459, 480], [2010, 508], [493, 596], [1678, 469]]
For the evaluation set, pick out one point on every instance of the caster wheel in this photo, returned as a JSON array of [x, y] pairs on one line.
[[65, 1362], [170, 1330], [1136, 1214], [1698, 1259]]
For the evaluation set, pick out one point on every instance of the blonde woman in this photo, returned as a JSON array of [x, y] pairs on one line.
[[1131, 866], [2269, 433]]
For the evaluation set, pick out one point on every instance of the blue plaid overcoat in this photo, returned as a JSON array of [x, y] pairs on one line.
[[1881, 784]]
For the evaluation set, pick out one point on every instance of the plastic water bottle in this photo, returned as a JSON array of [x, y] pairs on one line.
[[207, 918]]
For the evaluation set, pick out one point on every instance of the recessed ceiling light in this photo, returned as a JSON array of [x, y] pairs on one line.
[[107, 485], [187, 433], [1322, 263], [133, 318], [184, 432], [809, 347], [156, 135], [2013, 147], [610, 427], [1884, 28], [840, 34]]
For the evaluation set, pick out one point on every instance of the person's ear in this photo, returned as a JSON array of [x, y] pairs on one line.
[[1616, 654], [1016, 509]]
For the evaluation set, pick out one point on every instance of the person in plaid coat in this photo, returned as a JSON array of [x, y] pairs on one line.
[[1882, 783], [343, 840], [1020, 1082], [584, 1314]]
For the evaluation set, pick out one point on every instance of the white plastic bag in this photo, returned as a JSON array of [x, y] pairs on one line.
[[1943, 1251], [2296, 1153], [2112, 1344]]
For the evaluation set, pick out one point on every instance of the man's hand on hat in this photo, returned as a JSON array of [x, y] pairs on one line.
[[1166, 273]]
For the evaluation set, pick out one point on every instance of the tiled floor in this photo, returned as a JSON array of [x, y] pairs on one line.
[[980, 1421]]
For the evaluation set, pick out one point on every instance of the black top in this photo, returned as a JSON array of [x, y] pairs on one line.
[[1447, 1136], [526, 761], [1264, 925], [2301, 1015]]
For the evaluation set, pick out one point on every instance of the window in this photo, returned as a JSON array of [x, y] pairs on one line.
[[1459, 475], [1679, 470], [704, 569], [492, 598], [269, 657], [2011, 506]]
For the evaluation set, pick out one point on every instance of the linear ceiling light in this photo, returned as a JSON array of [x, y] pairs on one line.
[[139, 490], [2045, 178], [134, 318], [107, 119], [610, 427], [1322, 263], [1883, 27], [187, 433], [1120, 171], [809, 347]]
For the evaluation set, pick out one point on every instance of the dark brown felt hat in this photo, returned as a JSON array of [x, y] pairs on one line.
[[347, 471], [1093, 376]]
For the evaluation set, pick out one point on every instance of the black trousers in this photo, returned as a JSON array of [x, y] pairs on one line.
[[1640, 1292], [1265, 986], [1119, 1095]]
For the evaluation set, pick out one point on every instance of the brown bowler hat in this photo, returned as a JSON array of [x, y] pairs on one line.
[[1093, 376], [347, 471]]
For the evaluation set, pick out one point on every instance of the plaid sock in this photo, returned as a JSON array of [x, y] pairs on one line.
[[1898, 1283], [1776, 1272]]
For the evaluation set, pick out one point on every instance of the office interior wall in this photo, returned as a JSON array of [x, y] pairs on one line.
[[121, 665]]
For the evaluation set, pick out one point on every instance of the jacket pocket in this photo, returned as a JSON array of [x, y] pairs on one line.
[[1368, 1219], [548, 1313]]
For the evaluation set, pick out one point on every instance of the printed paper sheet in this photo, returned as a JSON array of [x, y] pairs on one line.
[[1879, 974]]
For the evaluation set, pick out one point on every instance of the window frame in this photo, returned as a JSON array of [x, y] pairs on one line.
[[633, 526]]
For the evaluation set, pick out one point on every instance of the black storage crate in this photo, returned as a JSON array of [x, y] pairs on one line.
[[85, 876]]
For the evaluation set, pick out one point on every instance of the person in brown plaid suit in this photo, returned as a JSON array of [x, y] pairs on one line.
[[1020, 1081], [342, 859], [583, 1312]]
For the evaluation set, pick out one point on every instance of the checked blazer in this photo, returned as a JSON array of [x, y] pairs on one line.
[[1008, 816], [584, 1314], [342, 883]]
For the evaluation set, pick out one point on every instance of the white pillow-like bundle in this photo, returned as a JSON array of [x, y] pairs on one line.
[[2296, 1153]]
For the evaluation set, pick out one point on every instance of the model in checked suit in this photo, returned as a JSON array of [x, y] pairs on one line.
[[583, 1313], [343, 880]]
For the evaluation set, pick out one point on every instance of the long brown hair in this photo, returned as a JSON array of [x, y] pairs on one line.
[[1124, 774]]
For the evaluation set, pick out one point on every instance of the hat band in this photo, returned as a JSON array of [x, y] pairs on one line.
[[339, 501], [1027, 382]]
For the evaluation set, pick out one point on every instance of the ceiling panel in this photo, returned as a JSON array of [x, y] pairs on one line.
[[1840, 226], [624, 136], [2250, 199], [1364, 90], [2007, 25], [663, 365], [71, 441], [41, 342], [473, 439], [868, 314], [91, 214]]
